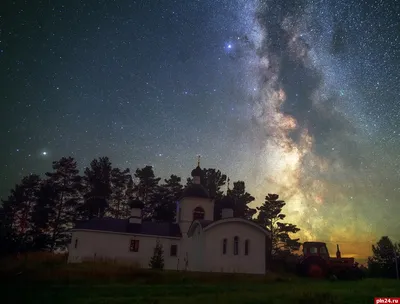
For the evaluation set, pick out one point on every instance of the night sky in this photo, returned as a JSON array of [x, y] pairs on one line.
[[299, 98]]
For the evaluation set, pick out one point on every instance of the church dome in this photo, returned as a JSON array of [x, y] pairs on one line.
[[195, 190], [197, 171], [136, 203], [227, 202]]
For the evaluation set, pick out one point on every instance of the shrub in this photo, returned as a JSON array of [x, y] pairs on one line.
[[157, 260]]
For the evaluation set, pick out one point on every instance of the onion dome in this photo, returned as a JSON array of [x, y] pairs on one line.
[[195, 190], [197, 171], [136, 203]]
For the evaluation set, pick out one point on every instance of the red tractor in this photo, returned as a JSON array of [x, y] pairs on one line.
[[316, 262]]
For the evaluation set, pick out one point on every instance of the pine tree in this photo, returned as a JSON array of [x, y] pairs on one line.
[[97, 188], [130, 191], [18, 209], [242, 199], [43, 211], [270, 217], [383, 263], [157, 260], [118, 202], [145, 188], [8, 236], [128, 195], [165, 199], [66, 184]]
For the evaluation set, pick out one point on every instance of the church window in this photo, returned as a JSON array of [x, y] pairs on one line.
[[76, 243], [198, 213], [174, 250], [134, 247], [236, 245], [224, 245], [246, 247]]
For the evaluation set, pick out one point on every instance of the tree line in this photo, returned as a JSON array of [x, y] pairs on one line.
[[39, 212]]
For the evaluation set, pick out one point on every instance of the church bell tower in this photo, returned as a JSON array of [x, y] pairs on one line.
[[195, 203]]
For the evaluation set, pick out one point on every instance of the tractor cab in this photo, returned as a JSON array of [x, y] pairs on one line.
[[315, 249]]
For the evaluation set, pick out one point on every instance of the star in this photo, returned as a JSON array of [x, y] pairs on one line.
[[297, 100]]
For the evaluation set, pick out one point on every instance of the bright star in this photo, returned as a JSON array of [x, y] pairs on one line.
[[44, 153]]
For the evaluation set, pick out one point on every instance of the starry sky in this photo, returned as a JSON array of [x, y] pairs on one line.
[[299, 98]]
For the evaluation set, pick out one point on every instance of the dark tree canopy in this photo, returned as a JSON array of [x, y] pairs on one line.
[[63, 199], [118, 206], [213, 180], [38, 213], [97, 188], [145, 188], [242, 199], [383, 261], [23, 199], [270, 216], [165, 199]]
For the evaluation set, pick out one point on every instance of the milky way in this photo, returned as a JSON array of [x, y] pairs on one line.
[[299, 98], [317, 134]]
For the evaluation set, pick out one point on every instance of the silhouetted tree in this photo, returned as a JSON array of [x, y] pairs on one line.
[[19, 207], [165, 199], [97, 184], [213, 180], [157, 260], [129, 195], [145, 188], [270, 216], [43, 211], [383, 263], [8, 236], [66, 185], [130, 191], [242, 199], [119, 201]]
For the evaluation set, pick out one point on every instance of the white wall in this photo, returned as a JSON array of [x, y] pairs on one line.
[[116, 246], [217, 262], [188, 204], [196, 250]]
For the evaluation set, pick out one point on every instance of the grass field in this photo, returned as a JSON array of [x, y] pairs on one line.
[[50, 280]]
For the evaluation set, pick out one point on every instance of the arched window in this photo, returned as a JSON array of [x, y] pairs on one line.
[[224, 246], [198, 213], [246, 247], [236, 245]]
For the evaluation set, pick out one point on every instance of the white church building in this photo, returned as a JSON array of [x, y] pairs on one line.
[[194, 242]]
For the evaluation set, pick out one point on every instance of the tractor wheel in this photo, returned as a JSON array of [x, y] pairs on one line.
[[314, 267]]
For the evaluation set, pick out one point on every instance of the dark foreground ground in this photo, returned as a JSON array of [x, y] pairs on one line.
[[48, 282], [282, 292]]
